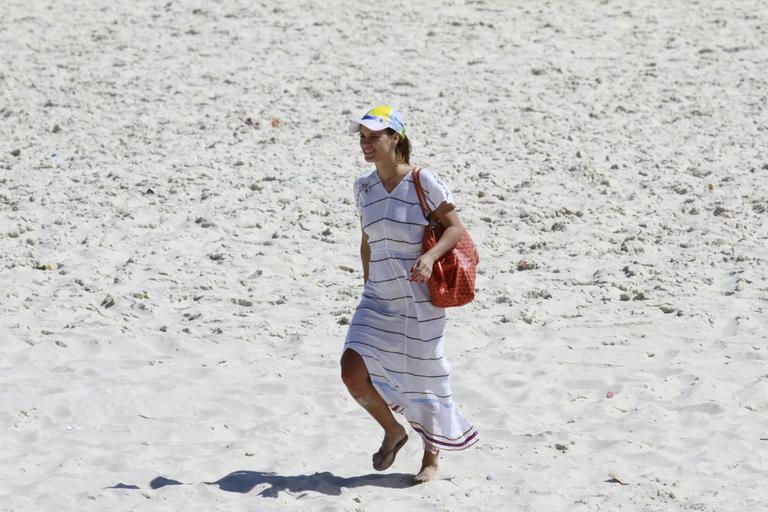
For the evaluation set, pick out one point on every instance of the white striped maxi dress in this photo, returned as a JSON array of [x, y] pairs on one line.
[[395, 328]]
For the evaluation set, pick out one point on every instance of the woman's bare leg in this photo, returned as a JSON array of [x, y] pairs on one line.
[[355, 376], [429, 465]]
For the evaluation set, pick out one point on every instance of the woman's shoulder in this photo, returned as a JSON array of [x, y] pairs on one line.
[[368, 178], [429, 175], [427, 171], [435, 188]]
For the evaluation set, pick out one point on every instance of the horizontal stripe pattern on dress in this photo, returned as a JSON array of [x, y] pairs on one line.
[[425, 393], [373, 297], [461, 436], [446, 404], [394, 351], [403, 316], [469, 438], [398, 258], [388, 385], [387, 198], [387, 280], [403, 372], [417, 242], [397, 332], [390, 348], [393, 220]]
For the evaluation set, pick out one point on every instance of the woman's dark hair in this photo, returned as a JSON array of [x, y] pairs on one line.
[[403, 148]]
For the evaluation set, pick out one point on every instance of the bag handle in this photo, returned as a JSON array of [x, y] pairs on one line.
[[437, 268], [420, 193]]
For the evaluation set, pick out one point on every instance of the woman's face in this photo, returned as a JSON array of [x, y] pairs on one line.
[[378, 145]]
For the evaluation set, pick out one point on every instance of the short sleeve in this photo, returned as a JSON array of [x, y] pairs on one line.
[[435, 189], [358, 191]]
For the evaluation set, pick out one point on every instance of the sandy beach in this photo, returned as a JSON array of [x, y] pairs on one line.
[[179, 252]]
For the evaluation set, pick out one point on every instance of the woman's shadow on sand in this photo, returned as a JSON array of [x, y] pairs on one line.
[[325, 482]]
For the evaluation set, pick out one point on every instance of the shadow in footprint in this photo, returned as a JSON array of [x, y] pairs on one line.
[[325, 482], [121, 485], [161, 481]]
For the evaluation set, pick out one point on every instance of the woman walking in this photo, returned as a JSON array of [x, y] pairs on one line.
[[393, 354]]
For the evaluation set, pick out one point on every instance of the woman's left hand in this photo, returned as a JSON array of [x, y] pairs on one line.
[[421, 271]]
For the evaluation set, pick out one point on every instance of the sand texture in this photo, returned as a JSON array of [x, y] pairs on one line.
[[179, 251]]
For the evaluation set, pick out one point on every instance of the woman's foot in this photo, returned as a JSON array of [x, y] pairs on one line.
[[429, 468], [393, 441]]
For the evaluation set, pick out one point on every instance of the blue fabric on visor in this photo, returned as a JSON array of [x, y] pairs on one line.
[[386, 116]]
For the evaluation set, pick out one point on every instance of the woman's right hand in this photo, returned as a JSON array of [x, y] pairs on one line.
[[421, 271]]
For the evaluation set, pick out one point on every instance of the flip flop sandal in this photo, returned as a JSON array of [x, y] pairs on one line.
[[388, 458]]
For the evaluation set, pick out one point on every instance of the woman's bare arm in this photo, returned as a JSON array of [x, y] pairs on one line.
[[365, 255], [454, 230]]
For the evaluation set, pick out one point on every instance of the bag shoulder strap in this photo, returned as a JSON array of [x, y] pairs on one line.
[[420, 192]]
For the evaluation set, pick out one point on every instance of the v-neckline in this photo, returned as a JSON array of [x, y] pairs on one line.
[[390, 192]]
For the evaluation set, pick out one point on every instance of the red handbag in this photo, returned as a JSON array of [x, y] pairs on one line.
[[452, 282]]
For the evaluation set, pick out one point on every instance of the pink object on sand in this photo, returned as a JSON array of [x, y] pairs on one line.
[[610, 394]]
